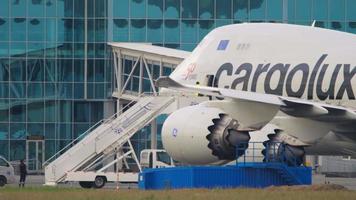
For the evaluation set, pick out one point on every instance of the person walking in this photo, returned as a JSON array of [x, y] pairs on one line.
[[23, 173]]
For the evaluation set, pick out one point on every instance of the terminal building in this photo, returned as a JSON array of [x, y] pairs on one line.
[[66, 64]]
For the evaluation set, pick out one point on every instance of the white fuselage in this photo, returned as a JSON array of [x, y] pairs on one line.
[[287, 60]]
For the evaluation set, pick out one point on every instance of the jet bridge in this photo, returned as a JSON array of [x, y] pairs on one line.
[[104, 139]]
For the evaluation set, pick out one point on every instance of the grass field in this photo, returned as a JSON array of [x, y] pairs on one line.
[[276, 193]]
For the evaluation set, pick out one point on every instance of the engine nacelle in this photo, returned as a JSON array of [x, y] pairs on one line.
[[201, 135]]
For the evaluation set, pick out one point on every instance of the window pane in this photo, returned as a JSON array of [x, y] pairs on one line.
[[18, 113], [4, 8], [4, 50], [79, 30], [35, 8], [154, 30], [351, 27], [18, 8], [121, 8], [189, 31], [100, 8], [337, 10], [206, 9], [154, 8], [4, 29], [18, 90], [50, 131], [275, 10], [51, 7], [4, 132], [241, 10], [205, 26], [320, 10], [50, 111], [17, 130], [189, 8], [172, 9], [171, 31], [223, 9], [17, 149], [257, 10], [79, 8], [18, 70], [35, 129], [138, 8], [51, 30], [35, 90], [100, 30], [18, 25], [4, 148], [351, 7], [121, 30], [138, 30], [35, 70], [303, 8]]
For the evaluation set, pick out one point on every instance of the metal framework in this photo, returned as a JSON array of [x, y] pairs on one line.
[[142, 54]]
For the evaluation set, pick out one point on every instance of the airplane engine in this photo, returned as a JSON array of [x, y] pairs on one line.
[[201, 135]]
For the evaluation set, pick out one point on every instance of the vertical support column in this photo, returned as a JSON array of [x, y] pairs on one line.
[[141, 75], [154, 134], [85, 49], [285, 11]]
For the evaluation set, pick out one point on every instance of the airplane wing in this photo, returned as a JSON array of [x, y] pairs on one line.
[[291, 106]]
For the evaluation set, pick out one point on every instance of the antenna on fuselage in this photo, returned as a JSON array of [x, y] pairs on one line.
[[313, 24]]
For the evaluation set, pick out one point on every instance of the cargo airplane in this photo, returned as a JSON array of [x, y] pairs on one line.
[[300, 79]]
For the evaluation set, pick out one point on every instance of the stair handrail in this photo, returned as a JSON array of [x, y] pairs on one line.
[[76, 140]]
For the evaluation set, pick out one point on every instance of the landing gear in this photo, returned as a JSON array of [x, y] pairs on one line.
[[276, 151]]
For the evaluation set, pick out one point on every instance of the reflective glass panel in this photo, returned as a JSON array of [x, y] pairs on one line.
[[154, 30], [171, 31], [4, 29], [121, 30], [337, 10], [190, 8], [172, 9], [189, 31], [121, 8], [303, 10], [4, 8], [320, 10], [154, 8], [351, 7], [223, 9], [138, 8], [35, 8], [138, 30], [18, 25], [275, 10], [257, 10], [206, 9], [18, 149], [241, 9], [18, 8]]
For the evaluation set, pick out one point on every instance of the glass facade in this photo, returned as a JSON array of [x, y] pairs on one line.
[[56, 72]]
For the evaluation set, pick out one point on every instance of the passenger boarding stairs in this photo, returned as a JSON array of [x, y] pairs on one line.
[[103, 138]]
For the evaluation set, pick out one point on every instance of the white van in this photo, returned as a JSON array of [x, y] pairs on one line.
[[6, 172]]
